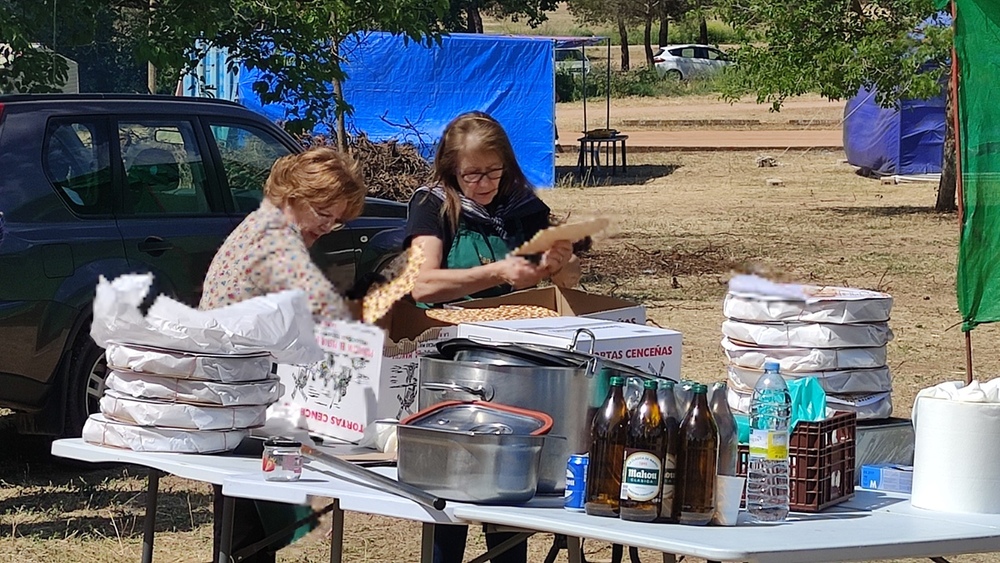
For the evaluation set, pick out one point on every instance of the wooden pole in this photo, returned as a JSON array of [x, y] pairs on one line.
[[150, 69], [958, 171]]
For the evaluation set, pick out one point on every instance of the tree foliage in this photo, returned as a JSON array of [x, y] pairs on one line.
[[466, 15], [835, 47], [291, 42]]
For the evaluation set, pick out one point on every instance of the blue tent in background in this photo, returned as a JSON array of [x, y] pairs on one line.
[[409, 92], [904, 140]]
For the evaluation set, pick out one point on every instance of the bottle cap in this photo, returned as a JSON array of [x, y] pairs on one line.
[[771, 365], [667, 384], [649, 384], [282, 442], [699, 388], [617, 380]]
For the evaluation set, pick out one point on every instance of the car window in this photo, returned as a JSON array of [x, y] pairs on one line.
[[687, 52], [164, 169], [717, 55], [701, 52], [76, 159], [569, 55], [247, 155], [675, 52]]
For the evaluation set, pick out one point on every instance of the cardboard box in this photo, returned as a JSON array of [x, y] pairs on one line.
[[887, 477], [568, 303], [354, 386], [652, 349]]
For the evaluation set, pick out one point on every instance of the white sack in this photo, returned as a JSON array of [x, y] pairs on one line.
[[179, 415], [102, 432], [836, 309], [956, 461], [279, 323], [183, 365], [803, 360], [808, 335], [877, 380], [145, 386], [868, 406]]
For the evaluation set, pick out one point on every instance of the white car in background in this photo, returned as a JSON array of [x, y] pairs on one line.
[[571, 60], [688, 61]]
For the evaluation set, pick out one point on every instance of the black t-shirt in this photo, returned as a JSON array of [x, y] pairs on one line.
[[425, 220]]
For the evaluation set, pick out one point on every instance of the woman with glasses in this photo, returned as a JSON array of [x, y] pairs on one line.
[[306, 196], [480, 208]]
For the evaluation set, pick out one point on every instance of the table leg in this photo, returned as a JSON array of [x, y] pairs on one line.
[[624, 159], [226, 541], [580, 159], [669, 558], [503, 547], [614, 153], [337, 533], [149, 525], [427, 543], [574, 549]]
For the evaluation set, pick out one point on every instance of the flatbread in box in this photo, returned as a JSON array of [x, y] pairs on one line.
[[499, 313], [572, 232]]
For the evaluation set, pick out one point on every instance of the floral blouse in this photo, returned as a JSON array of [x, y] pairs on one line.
[[266, 254]]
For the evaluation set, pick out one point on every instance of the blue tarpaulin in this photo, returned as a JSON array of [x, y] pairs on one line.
[[886, 141], [409, 92]]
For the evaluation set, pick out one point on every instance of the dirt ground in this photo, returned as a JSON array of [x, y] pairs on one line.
[[681, 222]]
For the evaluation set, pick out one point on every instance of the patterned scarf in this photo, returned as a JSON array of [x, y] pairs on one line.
[[517, 205]]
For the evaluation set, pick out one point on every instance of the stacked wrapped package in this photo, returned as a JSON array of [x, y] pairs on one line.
[[837, 335], [188, 381]]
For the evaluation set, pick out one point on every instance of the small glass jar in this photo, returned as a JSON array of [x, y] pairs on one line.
[[282, 460]]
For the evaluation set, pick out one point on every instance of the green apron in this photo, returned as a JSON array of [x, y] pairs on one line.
[[471, 248]]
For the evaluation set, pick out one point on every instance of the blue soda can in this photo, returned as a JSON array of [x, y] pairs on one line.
[[576, 482]]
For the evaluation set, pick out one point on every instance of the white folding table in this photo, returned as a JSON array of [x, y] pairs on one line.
[[208, 468]]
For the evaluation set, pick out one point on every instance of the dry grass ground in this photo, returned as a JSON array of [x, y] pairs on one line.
[[681, 220]]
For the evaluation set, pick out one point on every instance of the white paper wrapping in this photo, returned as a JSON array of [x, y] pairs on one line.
[[808, 335], [868, 406], [145, 386], [182, 365], [804, 360], [278, 323], [863, 305], [179, 415], [877, 380], [956, 461], [834, 310], [102, 432]]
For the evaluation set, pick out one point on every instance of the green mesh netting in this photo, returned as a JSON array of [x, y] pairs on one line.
[[977, 45]]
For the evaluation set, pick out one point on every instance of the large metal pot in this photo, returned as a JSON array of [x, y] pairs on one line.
[[568, 391], [473, 451]]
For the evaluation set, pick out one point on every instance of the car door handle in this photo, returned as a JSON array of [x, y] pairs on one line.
[[155, 246]]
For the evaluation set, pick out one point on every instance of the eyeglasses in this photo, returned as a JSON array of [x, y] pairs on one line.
[[476, 177], [329, 223]]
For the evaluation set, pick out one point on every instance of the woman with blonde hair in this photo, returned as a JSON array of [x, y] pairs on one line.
[[480, 208], [306, 196]]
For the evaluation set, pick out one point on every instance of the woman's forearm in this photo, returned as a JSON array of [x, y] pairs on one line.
[[443, 285]]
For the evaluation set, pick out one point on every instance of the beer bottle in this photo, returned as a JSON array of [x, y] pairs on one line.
[[698, 460], [726, 422], [669, 510], [607, 451], [642, 470]]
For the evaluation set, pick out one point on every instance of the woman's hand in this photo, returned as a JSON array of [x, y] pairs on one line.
[[520, 273], [557, 257]]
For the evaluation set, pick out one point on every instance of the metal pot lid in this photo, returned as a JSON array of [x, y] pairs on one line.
[[464, 349], [479, 417]]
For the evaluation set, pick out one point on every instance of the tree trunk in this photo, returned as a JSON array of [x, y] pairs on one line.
[[703, 31], [647, 38], [150, 69], [475, 19], [623, 33], [664, 22], [338, 95], [947, 186]]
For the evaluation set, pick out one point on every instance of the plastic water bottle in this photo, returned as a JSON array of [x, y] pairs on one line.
[[767, 470]]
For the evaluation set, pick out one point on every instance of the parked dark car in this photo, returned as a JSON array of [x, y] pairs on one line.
[[94, 185]]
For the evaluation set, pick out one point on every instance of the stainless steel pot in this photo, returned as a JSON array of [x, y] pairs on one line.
[[563, 393], [570, 395], [473, 452]]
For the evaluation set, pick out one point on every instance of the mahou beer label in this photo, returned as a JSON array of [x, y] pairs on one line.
[[641, 476]]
